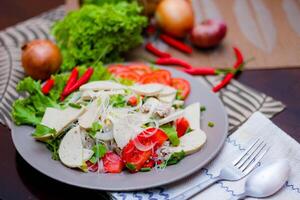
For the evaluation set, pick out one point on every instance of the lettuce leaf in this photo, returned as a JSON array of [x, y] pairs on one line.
[[30, 110], [171, 133], [99, 33]]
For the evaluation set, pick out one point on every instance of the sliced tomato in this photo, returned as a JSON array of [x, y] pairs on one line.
[[112, 163], [135, 158], [149, 163], [131, 75], [116, 68], [182, 85], [158, 76], [132, 101], [140, 68], [182, 126]]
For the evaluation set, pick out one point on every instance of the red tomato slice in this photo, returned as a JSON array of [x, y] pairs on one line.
[[116, 68], [132, 101], [158, 76], [112, 163], [182, 85], [140, 68], [137, 158], [128, 75], [149, 163], [182, 126]]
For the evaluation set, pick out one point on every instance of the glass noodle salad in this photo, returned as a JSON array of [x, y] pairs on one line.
[[108, 127]]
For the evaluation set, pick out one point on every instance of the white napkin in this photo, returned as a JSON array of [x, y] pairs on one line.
[[282, 146]]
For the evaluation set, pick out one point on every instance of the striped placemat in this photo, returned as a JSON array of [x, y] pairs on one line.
[[239, 100]]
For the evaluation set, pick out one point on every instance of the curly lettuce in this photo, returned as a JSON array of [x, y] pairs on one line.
[[99, 33], [31, 109]]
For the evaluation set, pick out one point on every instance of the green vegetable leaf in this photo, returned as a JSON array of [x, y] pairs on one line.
[[60, 82], [130, 166], [53, 146], [96, 34], [171, 133], [99, 152], [24, 113], [175, 158], [211, 124], [202, 108], [42, 130], [95, 128], [101, 2], [145, 169], [117, 101], [75, 105]]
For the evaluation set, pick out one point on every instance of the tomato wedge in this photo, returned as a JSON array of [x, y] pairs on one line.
[[112, 163], [182, 126], [182, 85], [133, 157], [116, 68], [131, 75], [132, 101], [140, 68], [157, 76]]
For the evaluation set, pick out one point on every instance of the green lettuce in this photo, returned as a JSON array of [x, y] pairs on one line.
[[31, 109], [171, 133], [99, 33]]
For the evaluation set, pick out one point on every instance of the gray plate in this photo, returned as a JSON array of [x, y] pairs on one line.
[[39, 157]]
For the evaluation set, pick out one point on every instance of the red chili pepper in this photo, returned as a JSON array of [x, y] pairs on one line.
[[48, 86], [206, 71], [239, 58], [238, 64], [201, 71], [71, 81], [149, 46], [176, 44], [173, 61], [83, 79], [224, 82]]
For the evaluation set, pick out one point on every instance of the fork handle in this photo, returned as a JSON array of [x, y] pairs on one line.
[[196, 189]]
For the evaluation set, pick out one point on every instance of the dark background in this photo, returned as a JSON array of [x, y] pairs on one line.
[[19, 181]]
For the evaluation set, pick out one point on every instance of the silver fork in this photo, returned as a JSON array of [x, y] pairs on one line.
[[239, 168]]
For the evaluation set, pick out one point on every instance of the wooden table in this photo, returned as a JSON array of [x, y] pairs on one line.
[[19, 181]]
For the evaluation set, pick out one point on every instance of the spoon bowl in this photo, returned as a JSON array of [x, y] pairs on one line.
[[266, 180]]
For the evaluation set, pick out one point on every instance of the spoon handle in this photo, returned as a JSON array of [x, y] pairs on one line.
[[238, 196], [196, 189]]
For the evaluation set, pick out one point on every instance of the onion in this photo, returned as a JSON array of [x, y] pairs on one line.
[[175, 17], [209, 33], [40, 59], [101, 168], [142, 147]]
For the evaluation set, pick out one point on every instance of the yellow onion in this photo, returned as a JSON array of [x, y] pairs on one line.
[[175, 17], [40, 59]]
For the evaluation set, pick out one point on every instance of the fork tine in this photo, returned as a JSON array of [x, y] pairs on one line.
[[252, 158], [253, 165], [249, 154], [235, 162]]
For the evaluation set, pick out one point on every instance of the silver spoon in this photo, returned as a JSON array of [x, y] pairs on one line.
[[266, 180]]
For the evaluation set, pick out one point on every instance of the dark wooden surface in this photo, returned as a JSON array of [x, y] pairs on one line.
[[19, 181]]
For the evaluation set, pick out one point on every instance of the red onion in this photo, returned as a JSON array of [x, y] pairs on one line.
[[209, 33]]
